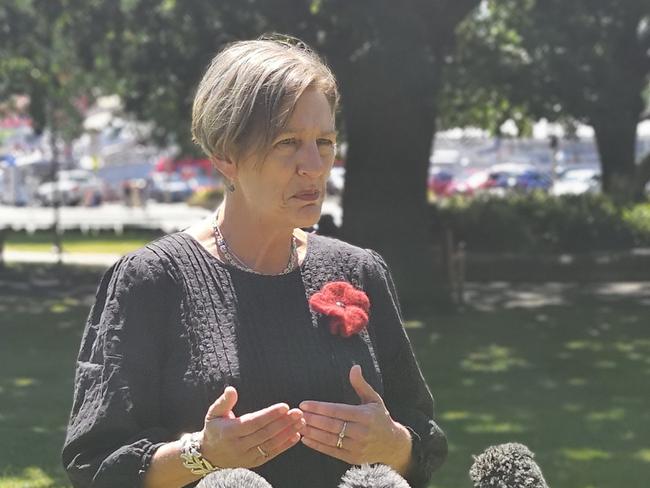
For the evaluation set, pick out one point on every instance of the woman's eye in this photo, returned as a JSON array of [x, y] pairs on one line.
[[326, 142], [287, 142]]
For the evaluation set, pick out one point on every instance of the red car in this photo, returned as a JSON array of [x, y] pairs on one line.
[[440, 181]]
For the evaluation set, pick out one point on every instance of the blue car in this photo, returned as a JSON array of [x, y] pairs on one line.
[[534, 180]]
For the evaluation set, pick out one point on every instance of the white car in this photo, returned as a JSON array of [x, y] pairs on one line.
[[75, 186], [169, 187], [576, 181]]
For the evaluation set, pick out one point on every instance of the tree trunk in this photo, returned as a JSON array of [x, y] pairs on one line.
[[616, 140], [386, 56], [643, 175], [390, 122]]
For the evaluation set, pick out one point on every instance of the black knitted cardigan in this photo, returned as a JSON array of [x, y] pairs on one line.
[[172, 326]]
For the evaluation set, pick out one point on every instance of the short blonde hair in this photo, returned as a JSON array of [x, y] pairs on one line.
[[249, 92]]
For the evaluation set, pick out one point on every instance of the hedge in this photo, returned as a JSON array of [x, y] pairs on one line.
[[540, 223]]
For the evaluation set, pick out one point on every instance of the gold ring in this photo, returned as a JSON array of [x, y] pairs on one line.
[[339, 442], [342, 433], [262, 452]]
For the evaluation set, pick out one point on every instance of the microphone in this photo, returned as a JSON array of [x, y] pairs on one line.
[[377, 476], [506, 466], [233, 478]]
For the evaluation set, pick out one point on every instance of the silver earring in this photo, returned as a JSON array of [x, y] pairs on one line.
[[230, 186]]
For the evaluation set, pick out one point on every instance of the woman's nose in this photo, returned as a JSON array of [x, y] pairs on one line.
[[310, 161]]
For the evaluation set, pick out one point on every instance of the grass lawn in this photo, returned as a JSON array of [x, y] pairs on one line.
[[105, 242], [565, 371], [568, 376]]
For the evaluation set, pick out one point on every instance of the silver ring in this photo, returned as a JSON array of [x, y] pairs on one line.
[[262, 452]]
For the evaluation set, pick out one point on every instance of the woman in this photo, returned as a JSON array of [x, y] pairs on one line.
[[243, 341]]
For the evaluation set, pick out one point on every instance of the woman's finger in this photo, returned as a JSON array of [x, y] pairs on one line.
[[330, 439], [339, 453], [272, 430], [222, 406], [353, 430], [254, 421], [354, 413], [272, 448], [364, 390]]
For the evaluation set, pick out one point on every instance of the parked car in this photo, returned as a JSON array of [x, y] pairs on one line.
[[445, 183], [440, 182], [169, 187], [75, 186], [531, 180], [470, 183], [508, 177], [202, 183], [575, 181]]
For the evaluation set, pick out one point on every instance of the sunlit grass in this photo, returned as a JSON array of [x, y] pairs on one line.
[[110, 243], [643, 455], [568, 381], [492, 359], [585, 454], [29, 477]]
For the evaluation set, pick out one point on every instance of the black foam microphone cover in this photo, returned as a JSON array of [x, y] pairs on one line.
[[506, 466]]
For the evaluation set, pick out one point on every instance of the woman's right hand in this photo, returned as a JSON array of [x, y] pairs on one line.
[[232, 442]]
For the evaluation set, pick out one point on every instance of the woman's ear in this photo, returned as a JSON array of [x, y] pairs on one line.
[[226, 167]]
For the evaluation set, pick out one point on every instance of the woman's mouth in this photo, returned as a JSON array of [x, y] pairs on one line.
[[308, 196]]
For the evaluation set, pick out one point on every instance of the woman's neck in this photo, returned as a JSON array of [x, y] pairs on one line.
[[261, 245]]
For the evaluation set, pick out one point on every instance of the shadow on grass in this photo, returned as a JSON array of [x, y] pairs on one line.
[[561, 368], [42, 312]]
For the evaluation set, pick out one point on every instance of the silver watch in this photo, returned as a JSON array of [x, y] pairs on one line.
[[192, 457]]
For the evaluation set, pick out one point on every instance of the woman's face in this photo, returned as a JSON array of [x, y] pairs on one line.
[[288, 188]]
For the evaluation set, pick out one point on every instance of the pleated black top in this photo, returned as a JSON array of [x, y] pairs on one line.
[[172, 326]]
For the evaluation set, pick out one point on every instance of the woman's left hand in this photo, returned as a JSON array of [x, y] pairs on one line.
[[370, 435]]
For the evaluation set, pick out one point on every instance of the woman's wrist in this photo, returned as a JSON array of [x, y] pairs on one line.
[[403, 457], [166, 469], [207, 446], [401, 461]]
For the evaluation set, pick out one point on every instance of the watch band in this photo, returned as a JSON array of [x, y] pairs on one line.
[[192, 457]]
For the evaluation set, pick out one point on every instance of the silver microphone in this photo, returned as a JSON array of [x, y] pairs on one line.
[[233, 478], [506, 466], [377, 476]]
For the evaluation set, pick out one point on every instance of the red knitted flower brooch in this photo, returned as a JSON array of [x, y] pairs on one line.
[[346, 306]]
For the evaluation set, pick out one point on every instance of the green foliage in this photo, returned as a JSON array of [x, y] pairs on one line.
[[539, 223], [551, 59], [563, 60], [156, 52], [37, 58], [638, 219], [488, 76]]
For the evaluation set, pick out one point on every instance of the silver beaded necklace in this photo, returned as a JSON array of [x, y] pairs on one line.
[[235, 261]]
